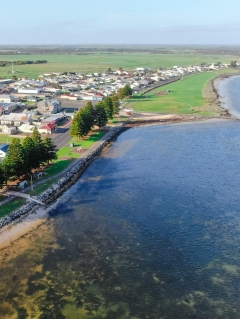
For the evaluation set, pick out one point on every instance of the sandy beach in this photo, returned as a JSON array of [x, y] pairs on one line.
[[12, 233]]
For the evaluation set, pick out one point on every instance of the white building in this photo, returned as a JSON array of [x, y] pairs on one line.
[[7, 98], [29, 90]]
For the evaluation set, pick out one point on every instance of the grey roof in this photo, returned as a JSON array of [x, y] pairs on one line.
[[4, 147]]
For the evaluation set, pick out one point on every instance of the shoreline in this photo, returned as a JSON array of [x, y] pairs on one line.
[[216, 89], [35, 215]]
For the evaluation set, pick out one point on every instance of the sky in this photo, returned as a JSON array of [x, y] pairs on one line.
[[120, 22]]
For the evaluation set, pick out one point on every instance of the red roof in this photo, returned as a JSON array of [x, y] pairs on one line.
[[47, 126]]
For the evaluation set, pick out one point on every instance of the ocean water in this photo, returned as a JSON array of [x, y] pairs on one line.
[[151, 230], [230, 95]]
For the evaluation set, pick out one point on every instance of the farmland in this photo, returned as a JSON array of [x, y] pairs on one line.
[[101, 61]]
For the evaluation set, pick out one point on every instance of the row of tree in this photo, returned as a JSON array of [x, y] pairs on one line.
[[23, 157], [90, 115], [233, 64]]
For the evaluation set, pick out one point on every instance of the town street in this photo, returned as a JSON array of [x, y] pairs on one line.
[[62, 136]]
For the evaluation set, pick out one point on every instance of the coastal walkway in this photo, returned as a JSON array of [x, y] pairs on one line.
[[27, 196], [61, 174]]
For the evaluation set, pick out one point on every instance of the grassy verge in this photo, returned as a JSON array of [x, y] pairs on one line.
[[11, 206], [56, 167], [41, 188], [18, 202]]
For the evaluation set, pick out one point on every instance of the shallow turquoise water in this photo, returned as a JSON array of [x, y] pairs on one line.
[[151, 230]]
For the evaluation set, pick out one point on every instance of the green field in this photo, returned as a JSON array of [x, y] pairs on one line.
[[184, 96], [5, 139], [101, 61]]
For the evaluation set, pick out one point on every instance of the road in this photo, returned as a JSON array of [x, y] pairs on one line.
[[62, 136]]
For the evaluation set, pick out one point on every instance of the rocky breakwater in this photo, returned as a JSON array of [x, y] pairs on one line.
[[71, 175]]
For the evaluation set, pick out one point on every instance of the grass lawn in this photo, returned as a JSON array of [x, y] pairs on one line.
[[68, 152], [41, 188], [9, 207], [18, 202], [184, 96], [5, 139], [56, 167]]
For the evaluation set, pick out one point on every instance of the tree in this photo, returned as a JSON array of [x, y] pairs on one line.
[[14, 162], [116, 103], [75, 128], [38, 143], [89, 110], [80, 126], [120, 93], [6, 170], [233, 64], [32, 159], [2, 179], [100, 115], [49, 150], [107, 102], [127, 91]]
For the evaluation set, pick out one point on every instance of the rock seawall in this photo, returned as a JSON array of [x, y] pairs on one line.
[[72, 175]]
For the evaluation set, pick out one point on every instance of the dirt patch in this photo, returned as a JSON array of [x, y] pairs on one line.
[[161, 92], [168, 119], [211, 95]]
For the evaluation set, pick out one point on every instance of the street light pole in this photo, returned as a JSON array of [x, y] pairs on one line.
[[31, 182]]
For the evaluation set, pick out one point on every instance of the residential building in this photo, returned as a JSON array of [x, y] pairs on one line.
[[15, 119], [8, 107], [3, 151], [47, 128], [51, 106]]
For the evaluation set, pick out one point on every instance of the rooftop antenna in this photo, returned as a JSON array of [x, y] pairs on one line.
[[12, 67]]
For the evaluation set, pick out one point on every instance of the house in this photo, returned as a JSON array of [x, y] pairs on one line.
[[37, 175], [50, 106], [8, 107], [15, 119], [29, 90], [33, 98], [47, 128], [6, 81], [7, 98], [8, 129], [25, 128], [23, 184], [3, 151]]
